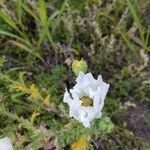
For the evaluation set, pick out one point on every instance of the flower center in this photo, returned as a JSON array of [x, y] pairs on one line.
[[86, 101]]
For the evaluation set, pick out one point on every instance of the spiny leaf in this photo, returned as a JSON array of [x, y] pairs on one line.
[[33, 116], [34, 93]]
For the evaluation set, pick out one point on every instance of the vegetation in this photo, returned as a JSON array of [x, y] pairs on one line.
[[38, 42]]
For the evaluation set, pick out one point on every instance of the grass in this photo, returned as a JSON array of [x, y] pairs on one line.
[[39, 40]]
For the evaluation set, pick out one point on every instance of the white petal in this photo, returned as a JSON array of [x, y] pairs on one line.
[[80, 77], [93, 82], [105, 88], [84, 81], [90, 111], [75, 95], [83, 118], [86, 123], [98, 115], [74, 112], [67, 98], [100, 96], [99, 79], [5, 144], [91, 92]]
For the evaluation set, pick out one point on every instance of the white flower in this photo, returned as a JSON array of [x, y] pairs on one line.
[[86, 99], [5, 144]]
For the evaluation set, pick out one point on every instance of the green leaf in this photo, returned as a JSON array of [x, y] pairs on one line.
[[42, 11], [27, 49], [14, 36], [8, 20]]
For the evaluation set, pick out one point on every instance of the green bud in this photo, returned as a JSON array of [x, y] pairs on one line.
[[79, 66], [106, 125]]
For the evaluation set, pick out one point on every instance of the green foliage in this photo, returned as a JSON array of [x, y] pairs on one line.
[[2, 61], [68, 135], [39, 40], [55, 82], [133, 8]]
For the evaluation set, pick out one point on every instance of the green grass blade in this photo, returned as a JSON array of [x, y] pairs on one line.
[[125, 38], [58, 12], [147, 38], [42, 10], [14, 36], [22, 46], [29, 11], [12, 24], [44, 23], [134, 12], [136, 18], [41, 38], [8, 20], [19, 13]]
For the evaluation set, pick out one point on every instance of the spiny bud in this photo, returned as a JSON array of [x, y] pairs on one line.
[[79, 66], [106, 125]]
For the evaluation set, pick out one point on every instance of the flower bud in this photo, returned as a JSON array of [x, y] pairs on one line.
[[106, 125], [79, 66]]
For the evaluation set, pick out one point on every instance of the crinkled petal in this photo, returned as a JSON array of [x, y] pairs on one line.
[[85, 80], [80, 77], [75, 95], [5, 144], [98, 115], [90, 111], [74, 112], [100, 96], [73, 104], [99, 79], [67, 98], [86, 123], [91, 93], [83, 118], [87, 115]]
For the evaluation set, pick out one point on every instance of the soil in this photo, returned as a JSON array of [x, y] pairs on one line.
[[138, 119]]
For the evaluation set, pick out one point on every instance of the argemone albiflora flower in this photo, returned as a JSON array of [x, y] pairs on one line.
[[5, 144], [86, 98]]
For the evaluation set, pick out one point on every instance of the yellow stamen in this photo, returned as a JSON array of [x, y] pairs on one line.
[[86, 101]]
